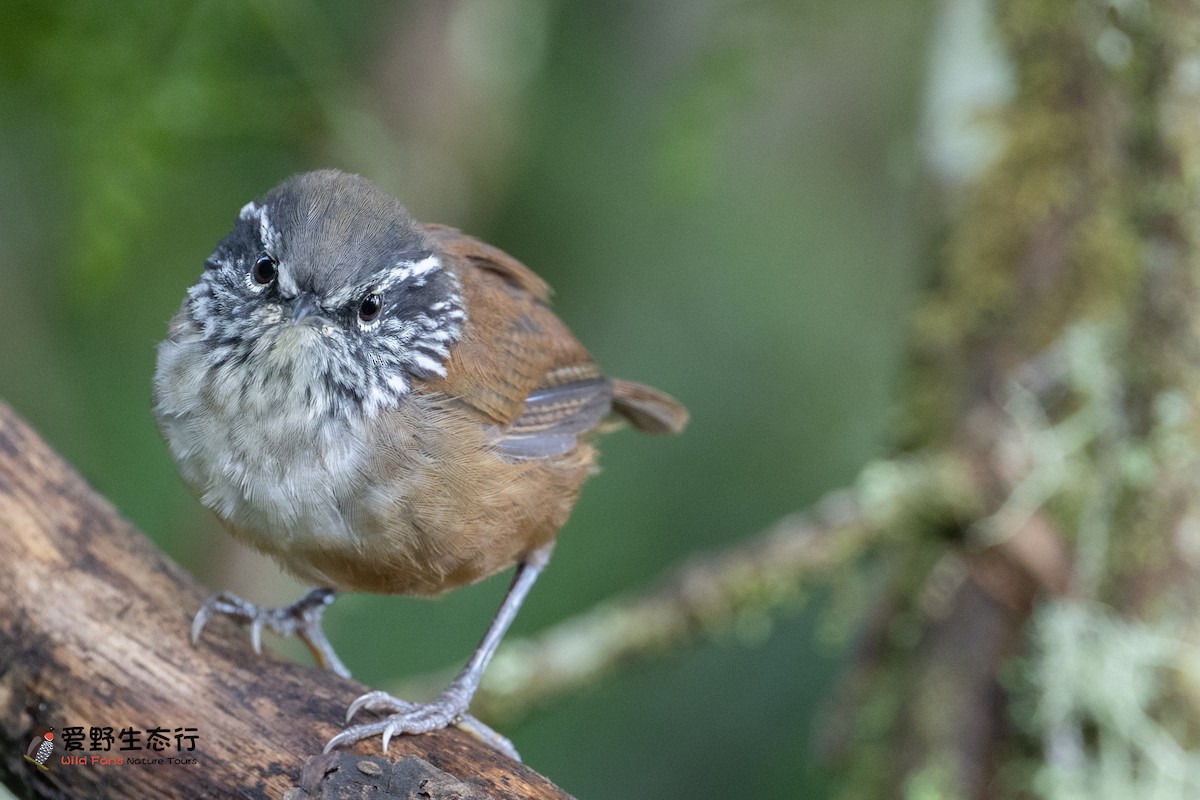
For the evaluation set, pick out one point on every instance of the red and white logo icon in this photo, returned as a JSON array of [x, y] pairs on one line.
[[41, 746]]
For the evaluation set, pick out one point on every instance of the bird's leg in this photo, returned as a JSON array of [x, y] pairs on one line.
[[301, 619], [451, 706]]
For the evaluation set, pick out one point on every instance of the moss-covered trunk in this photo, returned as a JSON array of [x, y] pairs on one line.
[[1047, 646]]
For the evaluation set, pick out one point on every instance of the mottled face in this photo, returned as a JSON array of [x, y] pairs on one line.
[[325, 281]]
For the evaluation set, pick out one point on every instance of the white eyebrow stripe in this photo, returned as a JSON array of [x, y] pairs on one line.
[[401, 272], [267, 232], [407, 270], [248, 211], [426, 264]]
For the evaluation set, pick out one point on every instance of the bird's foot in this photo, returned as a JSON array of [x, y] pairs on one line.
[[301, 619], [406, 717]]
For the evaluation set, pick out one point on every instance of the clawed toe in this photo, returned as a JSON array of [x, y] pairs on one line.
[[379, 701], [413, 718], [487, 735], [302, 619], [408, 718], [404, 717], [230, 605], [451, 707]]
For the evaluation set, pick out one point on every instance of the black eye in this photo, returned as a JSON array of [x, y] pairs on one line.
[[371, 305], [264, 270]]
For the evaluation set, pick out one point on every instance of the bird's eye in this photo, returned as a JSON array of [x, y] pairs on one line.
[[265, 270], [370, 307]]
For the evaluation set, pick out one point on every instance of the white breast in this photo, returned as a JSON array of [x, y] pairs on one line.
[[257, 443]]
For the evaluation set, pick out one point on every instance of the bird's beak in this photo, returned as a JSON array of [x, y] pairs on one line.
[[305, 306]]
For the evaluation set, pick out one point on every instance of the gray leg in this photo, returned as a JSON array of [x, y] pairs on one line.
[[301, 619], [451, 706]]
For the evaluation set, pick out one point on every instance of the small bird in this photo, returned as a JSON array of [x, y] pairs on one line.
[[40, 748], [382, 406]]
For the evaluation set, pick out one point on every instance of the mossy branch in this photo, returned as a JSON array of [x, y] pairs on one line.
[[721, 593]]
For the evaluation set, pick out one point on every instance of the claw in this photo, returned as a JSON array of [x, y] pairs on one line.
[[451, 707], [487, 735], [355, 734], [256, 629], [302, 619], [379, 701], [357, 705], [224, 603], [198, 623], [405, 717], [415, 718]]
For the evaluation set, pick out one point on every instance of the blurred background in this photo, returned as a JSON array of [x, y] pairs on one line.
[[722, 194]]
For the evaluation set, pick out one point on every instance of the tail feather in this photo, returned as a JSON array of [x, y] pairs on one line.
[[648, 409]]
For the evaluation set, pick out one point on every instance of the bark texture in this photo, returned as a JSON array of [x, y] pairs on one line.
[[94, 634]]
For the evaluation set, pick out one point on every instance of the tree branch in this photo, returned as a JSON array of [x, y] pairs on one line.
[[711, 594], [94, 634]]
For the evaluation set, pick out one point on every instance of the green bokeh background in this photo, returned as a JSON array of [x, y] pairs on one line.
[[721, 192]]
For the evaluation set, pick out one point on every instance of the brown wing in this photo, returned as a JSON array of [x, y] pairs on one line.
[[517, 365], [453, 242]]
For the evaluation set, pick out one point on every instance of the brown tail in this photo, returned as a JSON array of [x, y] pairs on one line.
[[650, 410]]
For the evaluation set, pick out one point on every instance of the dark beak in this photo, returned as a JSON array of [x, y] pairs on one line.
[[305, 306]]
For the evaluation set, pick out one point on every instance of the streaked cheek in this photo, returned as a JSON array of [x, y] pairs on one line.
[[270, 314]]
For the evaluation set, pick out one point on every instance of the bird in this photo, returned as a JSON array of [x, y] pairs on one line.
[[40, 748], [382, 406]]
